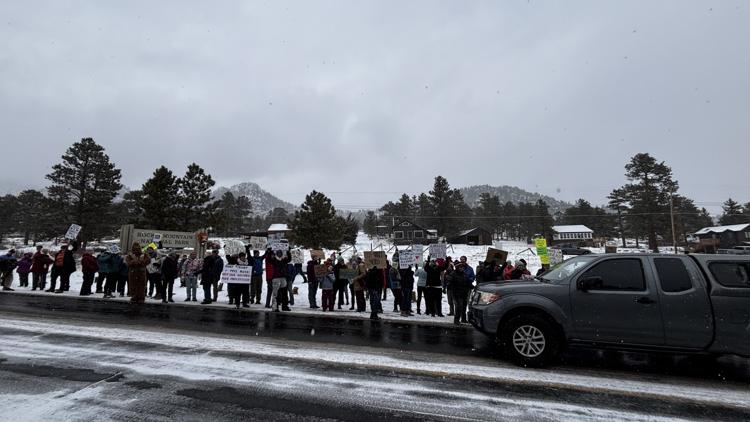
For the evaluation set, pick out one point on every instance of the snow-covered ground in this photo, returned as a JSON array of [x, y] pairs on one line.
[[278, 366]]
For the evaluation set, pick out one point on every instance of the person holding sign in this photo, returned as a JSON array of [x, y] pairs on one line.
[[63, 267], [342, 283], [279, 263], [434, 286]]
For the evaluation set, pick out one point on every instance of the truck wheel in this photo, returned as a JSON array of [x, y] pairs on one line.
[[530, 340]]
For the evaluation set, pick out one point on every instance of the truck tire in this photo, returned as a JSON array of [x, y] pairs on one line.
[[530, 340]]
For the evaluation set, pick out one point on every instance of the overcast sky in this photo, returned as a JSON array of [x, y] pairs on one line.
[[365, 100]]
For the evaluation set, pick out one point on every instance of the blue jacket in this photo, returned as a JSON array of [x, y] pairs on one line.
[[257, 263], [106, 263], [469, 273]]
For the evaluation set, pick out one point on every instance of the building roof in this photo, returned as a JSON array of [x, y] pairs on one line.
[[574, 228], [465, 232], [278, 228], [722, 229]]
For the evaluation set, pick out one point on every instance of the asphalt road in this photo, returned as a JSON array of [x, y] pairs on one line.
[[47, 375]]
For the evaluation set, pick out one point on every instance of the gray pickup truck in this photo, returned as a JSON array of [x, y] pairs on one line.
[[672, 303]]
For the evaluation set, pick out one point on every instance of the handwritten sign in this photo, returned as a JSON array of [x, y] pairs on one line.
[[73, 231], [541, 250], [298, 257], [438, 250], [278, 245], [320, 271], [258, 243], [234, 247], [497, 255], [348, 273], [375, 259], [417, 251], [555, 256], [114, 249], [406, 259], [237, 274]]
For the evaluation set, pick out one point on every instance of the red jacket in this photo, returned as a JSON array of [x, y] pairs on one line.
[[88, 263], [507, 272], [40, 263]]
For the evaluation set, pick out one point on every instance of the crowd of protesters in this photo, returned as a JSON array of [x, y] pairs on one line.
[[147, 272]]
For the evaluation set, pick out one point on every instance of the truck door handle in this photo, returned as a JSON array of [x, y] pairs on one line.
[[645, 300]]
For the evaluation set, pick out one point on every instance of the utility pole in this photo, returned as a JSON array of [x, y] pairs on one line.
[[671, 216], [622, 230]]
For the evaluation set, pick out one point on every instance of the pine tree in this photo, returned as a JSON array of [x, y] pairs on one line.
[[194, 196], [733, 213], [315, 225], [229, 214], [8, 215], [489, 212], [157, 199], [348, 228], [84, 184], [30, 213], [449, 209], [369, 226], [542, 221], [647, 196]]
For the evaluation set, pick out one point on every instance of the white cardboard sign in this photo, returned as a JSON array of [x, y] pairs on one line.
[[237, 274], [114, 249], [406, 258], [298, 256], [438, 250], [258, 243], [73, 231], [233, 247], [278, 245]]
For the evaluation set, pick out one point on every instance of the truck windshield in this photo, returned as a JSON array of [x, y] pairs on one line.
[[565, 269]]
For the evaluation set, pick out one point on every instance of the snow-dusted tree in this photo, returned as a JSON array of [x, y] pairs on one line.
[[84, 184], [316, 225], [194, 197]]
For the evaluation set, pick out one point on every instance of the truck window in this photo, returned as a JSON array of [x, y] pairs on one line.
[[731, 274], [673, 276], [619, 274]]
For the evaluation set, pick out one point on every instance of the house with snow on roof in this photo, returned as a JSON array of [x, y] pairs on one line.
[[575, 234], [724, 236]]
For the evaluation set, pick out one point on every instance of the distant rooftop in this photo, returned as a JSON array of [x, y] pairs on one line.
[[278, 228], [573, 228], [722, 229]]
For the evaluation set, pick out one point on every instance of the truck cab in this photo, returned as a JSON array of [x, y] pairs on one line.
[[682, 303]]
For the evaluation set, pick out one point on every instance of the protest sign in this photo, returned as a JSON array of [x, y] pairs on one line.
[[541, 250], [417, 251], [555, 256], [375, 259], [233, 247], [114, 249], [73, 231], [406, 258], [278, 245], [320, 271], [156, 238], [347, 273], [298, 257], [317, 253], [258, 243], [497, 255], [237, 274], [438, 250]]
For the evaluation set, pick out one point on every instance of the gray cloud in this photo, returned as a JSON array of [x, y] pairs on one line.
[[366, 99]]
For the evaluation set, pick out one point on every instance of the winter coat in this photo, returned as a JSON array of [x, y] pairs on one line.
[[326, 283], [359, 281], [7, 263], [518, 273], [421, 278], [89, 263], [407, 278], [460, 283], [137, 262], [374, 279], [433, 274], [280, 265], [291, 272], [64, 261], [40, 263], [105, 262], [169, 270], [257, 265], [193, 267], [394, 278], [311, 269], [508, 273], [268, 256], [119, 266], [24, 265]]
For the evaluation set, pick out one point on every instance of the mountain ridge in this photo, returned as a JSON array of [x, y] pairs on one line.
[[513, 194], [262, 200]]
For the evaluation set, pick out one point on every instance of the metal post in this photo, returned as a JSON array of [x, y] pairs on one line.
[[671, 216]]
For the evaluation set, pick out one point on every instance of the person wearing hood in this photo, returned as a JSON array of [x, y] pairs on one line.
[[137, 261], [104, 261], [520, 272], [169, 272], [8, 263], [40, 263], [89, 267], [64, 265], [23, 269]]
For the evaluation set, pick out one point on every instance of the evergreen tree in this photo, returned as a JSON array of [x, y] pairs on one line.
[[229, 214], [31, 204], [392, 212], [8, 215], [369, 226], [423, 210], [315, 225], [276, 216], [348, 228], [510, 222], [194, 197], [733, 213], [84, 184], [688, 218], [157, 199], [450, 212], [489, 213], [542, 221], [647, 196]]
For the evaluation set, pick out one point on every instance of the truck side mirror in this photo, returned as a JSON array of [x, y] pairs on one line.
[[587, 283]]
